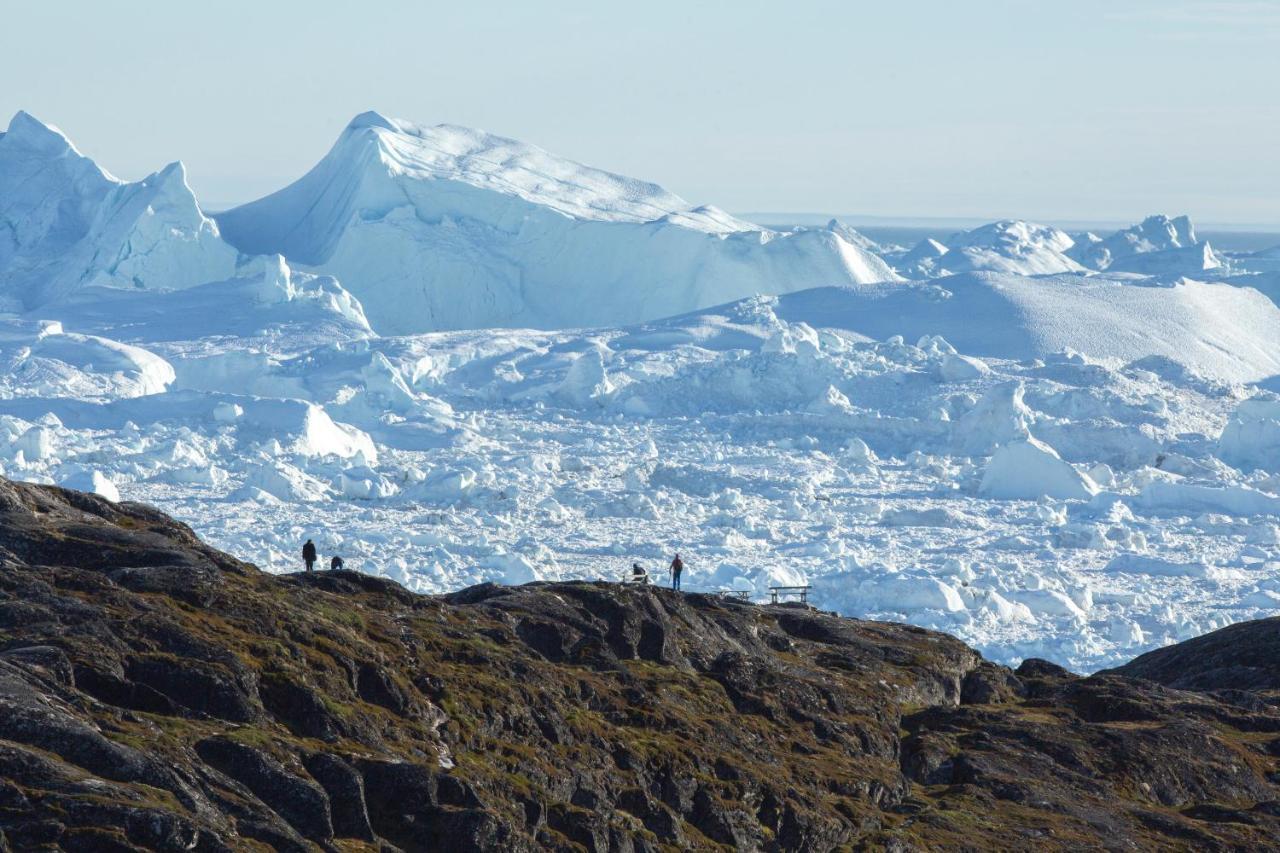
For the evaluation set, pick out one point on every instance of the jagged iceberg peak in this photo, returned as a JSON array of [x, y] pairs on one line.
[[854, 237], [373, 118], [926, 248], [1157, 233], [27, 131], [72, 224], [1157, 244], [30, 147]]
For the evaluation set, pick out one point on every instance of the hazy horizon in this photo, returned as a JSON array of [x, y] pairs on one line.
[[977, 111]]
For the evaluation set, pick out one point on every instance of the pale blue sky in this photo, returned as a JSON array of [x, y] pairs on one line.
[[1087, 109]]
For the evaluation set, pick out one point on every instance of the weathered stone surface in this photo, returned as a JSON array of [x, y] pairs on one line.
[[158, 695], [345, 788], [300, 802]]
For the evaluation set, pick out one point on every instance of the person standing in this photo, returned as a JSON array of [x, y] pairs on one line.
[[309, 554], [677, 566]]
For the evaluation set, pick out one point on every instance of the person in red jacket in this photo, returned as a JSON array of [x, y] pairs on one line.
[[677, 566]]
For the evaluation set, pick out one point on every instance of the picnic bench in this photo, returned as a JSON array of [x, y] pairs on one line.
[[742, 594], [777, 593]]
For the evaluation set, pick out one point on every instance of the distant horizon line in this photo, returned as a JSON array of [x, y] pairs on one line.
[[810, 217]]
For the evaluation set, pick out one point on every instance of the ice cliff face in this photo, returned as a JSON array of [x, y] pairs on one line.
[[445, 227], [65, 223]]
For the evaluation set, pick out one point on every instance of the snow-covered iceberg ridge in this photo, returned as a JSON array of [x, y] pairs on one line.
[[446, 227]]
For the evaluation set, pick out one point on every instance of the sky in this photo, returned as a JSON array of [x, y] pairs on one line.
[[1089, 110]]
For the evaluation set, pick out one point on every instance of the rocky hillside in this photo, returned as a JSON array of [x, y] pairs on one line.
[[156, 694]]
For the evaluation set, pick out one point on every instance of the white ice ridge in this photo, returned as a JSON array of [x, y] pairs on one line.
[[1156, 246], [446, 227]]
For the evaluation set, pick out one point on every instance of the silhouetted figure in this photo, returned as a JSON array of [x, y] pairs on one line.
[[638, 574], [677, 566], [335, 564], [309, 554]]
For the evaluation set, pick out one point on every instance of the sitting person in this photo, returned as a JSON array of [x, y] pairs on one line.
[[638, 574]]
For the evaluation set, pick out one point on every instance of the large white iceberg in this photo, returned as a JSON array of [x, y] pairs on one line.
[[446, 227]]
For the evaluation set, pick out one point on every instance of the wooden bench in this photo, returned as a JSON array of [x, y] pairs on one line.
[[778, 592], [741, 594]]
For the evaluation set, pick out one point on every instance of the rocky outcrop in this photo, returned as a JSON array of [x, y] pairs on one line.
[[156, 694], [1245, 656]]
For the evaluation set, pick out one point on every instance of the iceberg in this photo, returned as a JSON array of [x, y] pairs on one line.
[[69, 224], [446, 227]]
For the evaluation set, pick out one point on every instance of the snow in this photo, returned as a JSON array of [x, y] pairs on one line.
[[1159, 566], [958, 368], [920, 593], [1007, 246], [1079, 464], [761, 447], [1229, 500], [1010, 246], [1215, 329], [43, 359], [284, 482]]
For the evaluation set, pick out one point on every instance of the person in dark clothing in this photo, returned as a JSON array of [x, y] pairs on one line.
[[638, 574], [335, 564], [677, 566], [309, 554]]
